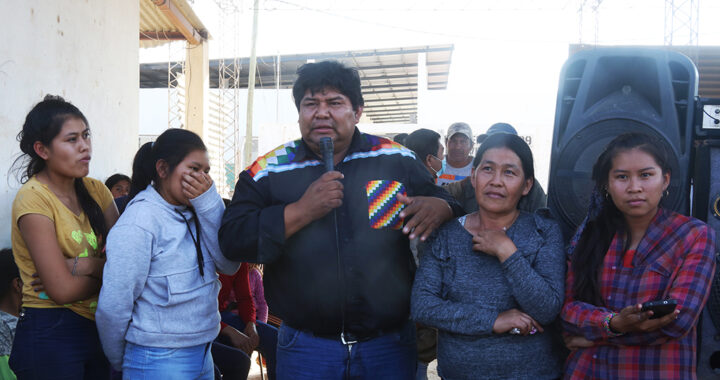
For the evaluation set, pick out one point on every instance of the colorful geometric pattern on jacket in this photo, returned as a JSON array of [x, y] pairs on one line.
[[278, 160], [281, 158], [383, 206], [380, 146]]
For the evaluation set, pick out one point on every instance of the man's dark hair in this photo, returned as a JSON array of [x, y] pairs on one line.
[[423, 142], [332, 74], [400, 138]]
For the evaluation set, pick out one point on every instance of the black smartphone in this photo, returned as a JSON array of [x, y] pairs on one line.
[[659, 308]]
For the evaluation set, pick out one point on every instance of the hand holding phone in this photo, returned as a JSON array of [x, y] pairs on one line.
[[659, 308]]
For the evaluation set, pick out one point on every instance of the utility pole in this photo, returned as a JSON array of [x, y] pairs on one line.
[[247, 149]]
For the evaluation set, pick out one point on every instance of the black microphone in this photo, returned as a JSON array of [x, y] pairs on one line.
[[326, 148]]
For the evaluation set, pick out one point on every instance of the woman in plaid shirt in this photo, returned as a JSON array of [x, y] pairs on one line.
[[629, 251]]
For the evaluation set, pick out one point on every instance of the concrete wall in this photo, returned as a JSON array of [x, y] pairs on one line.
[[85, 51]]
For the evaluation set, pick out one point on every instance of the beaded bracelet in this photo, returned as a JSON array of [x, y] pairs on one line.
[[606, 325]]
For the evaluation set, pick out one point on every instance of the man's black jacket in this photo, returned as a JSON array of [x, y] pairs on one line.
[[303, 285]]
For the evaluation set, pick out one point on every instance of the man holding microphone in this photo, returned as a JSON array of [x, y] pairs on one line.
[[338, 268]]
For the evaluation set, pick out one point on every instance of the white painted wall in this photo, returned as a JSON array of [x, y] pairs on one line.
[[85, 51]]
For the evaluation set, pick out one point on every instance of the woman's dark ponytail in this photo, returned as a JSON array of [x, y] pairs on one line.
[[143, 170], [93, 212]]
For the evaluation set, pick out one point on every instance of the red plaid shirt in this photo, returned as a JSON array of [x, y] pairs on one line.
[[675, 259]]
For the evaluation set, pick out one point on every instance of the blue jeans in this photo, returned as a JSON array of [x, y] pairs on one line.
[[57, 344], [302, 355], [268, 338], [141, 362], [421, 373]]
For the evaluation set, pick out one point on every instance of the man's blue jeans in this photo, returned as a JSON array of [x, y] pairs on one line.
[[302, 355]]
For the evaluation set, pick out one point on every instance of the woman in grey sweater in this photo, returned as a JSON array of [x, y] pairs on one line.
[[158, 307], [493, 281]]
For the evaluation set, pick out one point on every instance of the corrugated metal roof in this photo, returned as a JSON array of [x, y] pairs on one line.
[[706, 59], [157, 29], [389, 76]]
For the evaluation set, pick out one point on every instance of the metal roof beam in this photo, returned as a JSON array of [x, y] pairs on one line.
[[388, 91], [389, 106], [399, 116], [414, 98], [390, 110], [390, 85], [401, 65], [168, 8], [386, 77], [405, 120], [370, 53], [391, 115], [165, 36]]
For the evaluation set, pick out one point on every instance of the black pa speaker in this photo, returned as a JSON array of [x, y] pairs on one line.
[[605, 92], [706, 206], [707, 118]]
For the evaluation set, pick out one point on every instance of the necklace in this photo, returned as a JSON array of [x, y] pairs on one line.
[[481, 226]]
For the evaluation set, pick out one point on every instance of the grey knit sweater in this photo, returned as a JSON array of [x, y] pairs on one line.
[[461, 292]]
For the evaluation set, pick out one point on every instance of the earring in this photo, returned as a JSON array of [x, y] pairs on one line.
[[666, 193]]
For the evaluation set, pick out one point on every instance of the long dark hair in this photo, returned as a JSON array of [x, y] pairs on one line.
[[42, 124], [172, 146], [599, 230]]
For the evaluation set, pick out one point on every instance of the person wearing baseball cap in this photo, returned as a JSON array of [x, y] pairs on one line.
[[458, 162], [464, 193]]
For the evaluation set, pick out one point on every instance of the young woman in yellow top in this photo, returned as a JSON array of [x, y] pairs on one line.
[[60, 219]]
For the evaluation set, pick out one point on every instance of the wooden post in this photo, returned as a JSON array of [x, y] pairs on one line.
[[247, 148], [197, 76]]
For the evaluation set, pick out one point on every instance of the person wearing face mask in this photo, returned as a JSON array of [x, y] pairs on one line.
[[427, 148], [158, 308], [458, 163]]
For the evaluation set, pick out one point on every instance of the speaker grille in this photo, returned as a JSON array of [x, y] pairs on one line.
[[573, 184]]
